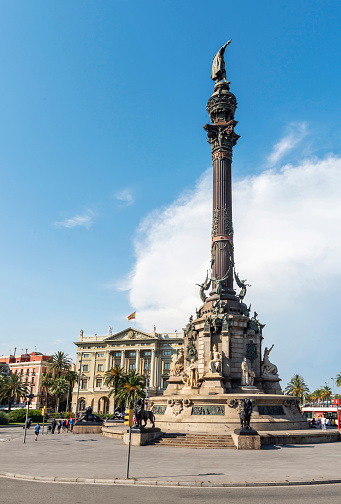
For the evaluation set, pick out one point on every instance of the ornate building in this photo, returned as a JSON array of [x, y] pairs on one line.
[[151, 354]]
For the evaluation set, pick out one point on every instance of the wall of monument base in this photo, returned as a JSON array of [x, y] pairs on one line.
[[219, 414]]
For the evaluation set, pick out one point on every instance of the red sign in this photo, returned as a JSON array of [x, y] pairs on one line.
[[337, 401]]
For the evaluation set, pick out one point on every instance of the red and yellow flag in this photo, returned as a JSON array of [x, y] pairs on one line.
[[132, 316]]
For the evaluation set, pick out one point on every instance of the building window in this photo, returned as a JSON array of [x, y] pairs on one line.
[[27, 371], [32, 380], [86, 356], [132, 354], [98, 382], [147, 354], [117, 354], [166, 366], [132, 366], [100, 367], [167, 352], [164, 384], [32, 390], [146, 365], [100, 355], [84, 384], [86, 367], [33, 371]]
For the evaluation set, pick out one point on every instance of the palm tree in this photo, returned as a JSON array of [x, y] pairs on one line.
[[12, 388], [297, 387], [326, 392], [46, 382], [133, 387], [338, 380], [71, 377], [114, 378], [59, 388], [317, 395], [59, 362]]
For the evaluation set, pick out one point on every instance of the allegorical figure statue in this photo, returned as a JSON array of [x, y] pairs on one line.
[[190, 376], [267, 367], [81, 332], [219, 282], [203, 287], [216, 360], [242, 285], [218, 65], [179, 364], [248, 376]]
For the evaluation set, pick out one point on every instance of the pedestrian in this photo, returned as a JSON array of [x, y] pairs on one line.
[[71, 424], [63, 425], [53, 425], [59, 426], [323, 423], [36, 430]]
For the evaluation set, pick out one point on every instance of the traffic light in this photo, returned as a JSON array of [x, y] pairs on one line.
[[43, 410], [128, 417]]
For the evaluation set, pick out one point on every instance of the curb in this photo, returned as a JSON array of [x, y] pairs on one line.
[[180, 484]]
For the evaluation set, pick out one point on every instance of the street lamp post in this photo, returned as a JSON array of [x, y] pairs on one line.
[[29, 398], [333, 386], [147, 376], [79, 381]]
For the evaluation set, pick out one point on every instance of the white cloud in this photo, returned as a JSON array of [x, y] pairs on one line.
[[296, 133], [124, 196], [84, 220], [287, 244]]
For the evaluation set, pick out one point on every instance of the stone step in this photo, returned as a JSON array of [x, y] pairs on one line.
[[184, 440]]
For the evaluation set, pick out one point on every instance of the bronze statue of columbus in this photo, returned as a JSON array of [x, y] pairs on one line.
[[218, 65]]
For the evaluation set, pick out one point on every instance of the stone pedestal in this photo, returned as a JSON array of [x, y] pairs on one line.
[[247, 439], [141, 437], [212, 384], [175, 384]]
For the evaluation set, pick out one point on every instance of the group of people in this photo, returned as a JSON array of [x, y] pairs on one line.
[[65, 425], [322, 422]]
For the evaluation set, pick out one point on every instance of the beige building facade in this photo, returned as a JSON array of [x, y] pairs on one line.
[[151, 354]]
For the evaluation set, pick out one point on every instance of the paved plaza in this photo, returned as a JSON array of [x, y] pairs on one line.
[[95, 457]]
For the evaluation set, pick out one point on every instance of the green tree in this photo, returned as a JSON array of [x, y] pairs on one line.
[[46, 382], [317, 395], [59, 388], [338, 380], [12, 388], [297, 387], [114, 378], [326, 393], [71, 377], [59, 362], [133, 387]]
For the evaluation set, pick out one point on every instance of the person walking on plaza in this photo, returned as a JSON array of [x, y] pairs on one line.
[[323, 423], [59, 426], [53, 425], [36, 430], [71, 423]]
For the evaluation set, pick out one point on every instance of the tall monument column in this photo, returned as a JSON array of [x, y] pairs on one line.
[[221, 108]]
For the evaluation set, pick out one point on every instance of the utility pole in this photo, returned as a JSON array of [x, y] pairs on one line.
[[29, 397], [79, 381]]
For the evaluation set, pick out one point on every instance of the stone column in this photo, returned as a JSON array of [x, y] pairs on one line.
[[92, 371], [123, 352], [108, 366], [221, 108], [137, 365], [152, 368]]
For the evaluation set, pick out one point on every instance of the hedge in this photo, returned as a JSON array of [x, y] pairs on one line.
[[3, 418], [19, 415]]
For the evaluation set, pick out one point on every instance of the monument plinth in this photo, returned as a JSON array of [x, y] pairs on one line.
[[222, 362]]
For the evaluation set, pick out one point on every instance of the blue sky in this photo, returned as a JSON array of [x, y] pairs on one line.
[[102, 108]]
